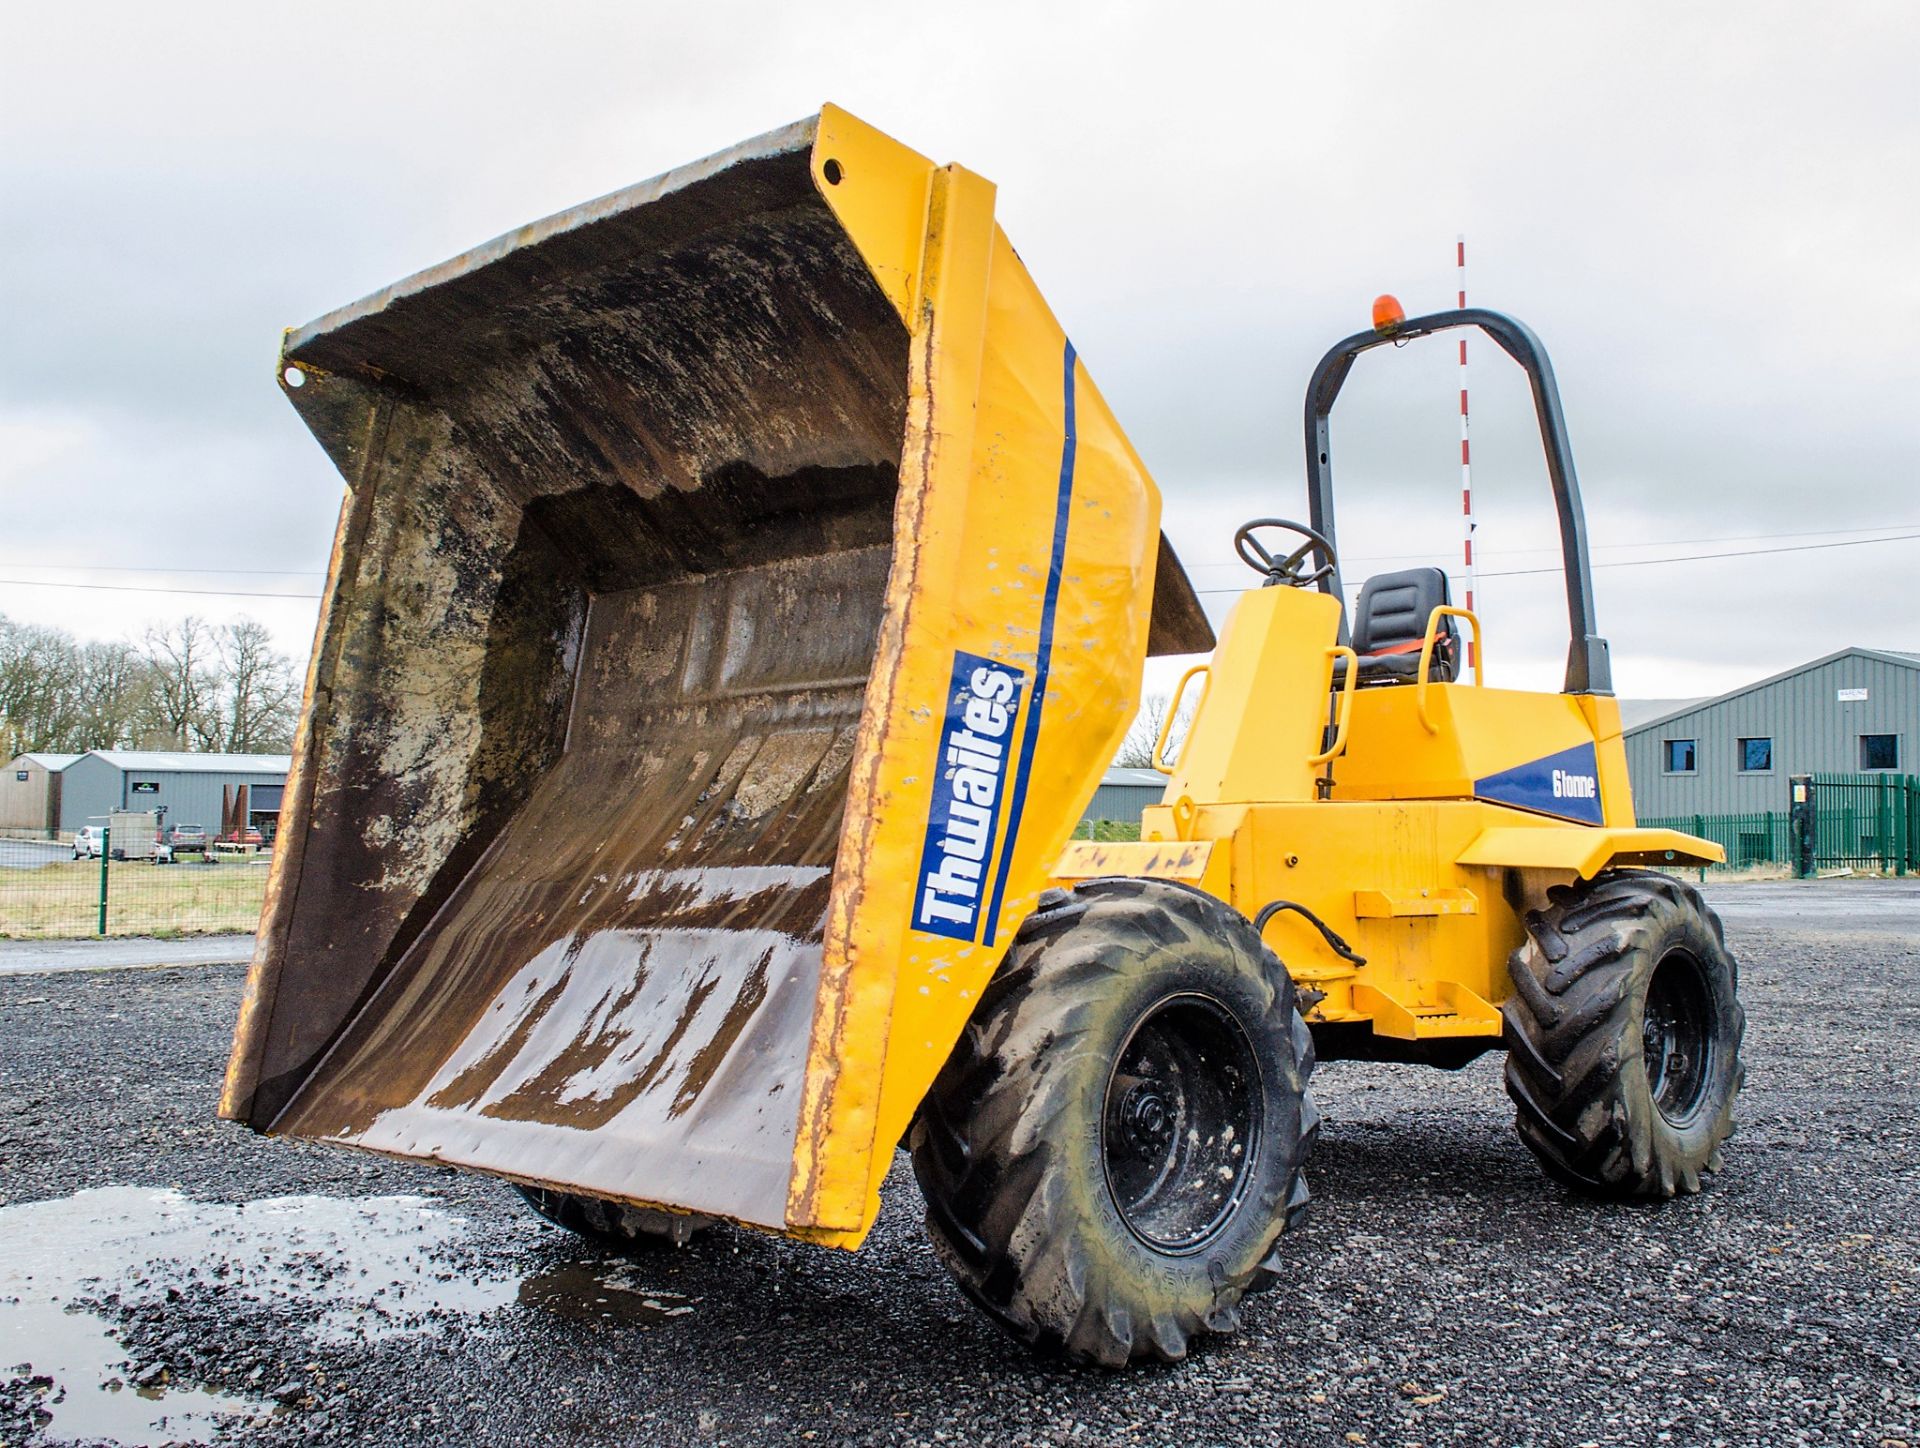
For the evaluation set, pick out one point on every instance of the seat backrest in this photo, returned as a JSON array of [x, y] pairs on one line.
[[1391, 616]]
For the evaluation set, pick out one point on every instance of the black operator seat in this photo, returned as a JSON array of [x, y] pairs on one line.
[[1390, 625]]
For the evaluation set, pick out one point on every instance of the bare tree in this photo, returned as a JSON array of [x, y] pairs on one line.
[[39, 686], [115, 698], [1136, 750], [185, 686], [259, 698], [184, 658]]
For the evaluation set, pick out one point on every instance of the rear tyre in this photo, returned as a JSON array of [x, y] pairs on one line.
[[614, 1223], [1116, 1142], [1623, 1036]]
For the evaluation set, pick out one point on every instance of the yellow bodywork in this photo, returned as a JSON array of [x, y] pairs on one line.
[[1027, 534], [1401, 852], [740, 591]]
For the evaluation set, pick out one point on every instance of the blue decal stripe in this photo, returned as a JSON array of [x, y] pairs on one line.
[[1043, 657], [1565, 786]]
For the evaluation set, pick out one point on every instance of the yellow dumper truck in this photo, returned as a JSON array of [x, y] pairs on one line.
[[740, 588]]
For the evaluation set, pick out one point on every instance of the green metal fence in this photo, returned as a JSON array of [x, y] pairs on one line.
[[1107, 830], [1750, 840], [47, 891], [1860, 821], [1867, 821]]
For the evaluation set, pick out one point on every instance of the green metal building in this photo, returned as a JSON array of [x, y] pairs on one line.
[[1853, 712], [1847, 726]]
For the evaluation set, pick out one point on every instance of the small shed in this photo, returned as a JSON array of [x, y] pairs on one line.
[[192, 788], [30, 794]]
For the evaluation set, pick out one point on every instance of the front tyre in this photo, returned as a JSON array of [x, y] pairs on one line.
[[1116, 1141], [1623, 1036]]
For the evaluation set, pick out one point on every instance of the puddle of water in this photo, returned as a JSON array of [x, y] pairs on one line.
[[348, 1269], [90, 1400], [579, 1291]]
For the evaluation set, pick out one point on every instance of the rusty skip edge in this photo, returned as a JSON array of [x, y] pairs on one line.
[[797, 136], [283, 879], [826, 1051]]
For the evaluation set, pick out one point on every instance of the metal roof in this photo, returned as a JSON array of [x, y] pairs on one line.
[[53, 763], [168, 761], [1119, 775], [1891, 656], [1635, 712]]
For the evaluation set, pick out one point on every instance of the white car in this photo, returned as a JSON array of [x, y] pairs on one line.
[[87, 842]]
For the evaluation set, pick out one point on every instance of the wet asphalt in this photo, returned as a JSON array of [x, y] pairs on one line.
[[1443, 1291]]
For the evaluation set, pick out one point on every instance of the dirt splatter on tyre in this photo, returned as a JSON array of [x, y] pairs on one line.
[[1623, 1036], [1116, 1143]]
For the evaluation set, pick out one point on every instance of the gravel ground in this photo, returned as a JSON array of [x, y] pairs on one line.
[[1445, 1292]]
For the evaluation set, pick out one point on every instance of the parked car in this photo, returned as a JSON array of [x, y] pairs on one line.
[[187, 837], [87, 842]]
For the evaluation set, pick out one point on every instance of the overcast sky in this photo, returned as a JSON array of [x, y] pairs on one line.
[[1707, 212]]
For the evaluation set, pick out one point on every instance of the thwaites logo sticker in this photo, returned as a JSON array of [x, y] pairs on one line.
[[970, 783]]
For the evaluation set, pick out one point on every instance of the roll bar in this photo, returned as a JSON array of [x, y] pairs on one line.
[[1588, 669]]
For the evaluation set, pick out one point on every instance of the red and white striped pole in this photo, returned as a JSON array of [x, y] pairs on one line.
[[1466, 454]]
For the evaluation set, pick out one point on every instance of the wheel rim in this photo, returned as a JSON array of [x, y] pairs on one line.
[[1181, 1126], [1678, 1036]]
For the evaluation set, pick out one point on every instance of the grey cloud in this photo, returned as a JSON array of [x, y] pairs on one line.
[[1706, 213]]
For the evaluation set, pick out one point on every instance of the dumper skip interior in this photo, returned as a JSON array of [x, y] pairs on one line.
[[739, 589]]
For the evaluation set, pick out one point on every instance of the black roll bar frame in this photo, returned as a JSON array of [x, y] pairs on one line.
[[1588, 668]]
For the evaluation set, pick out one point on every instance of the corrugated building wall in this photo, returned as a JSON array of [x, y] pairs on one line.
[[1813, 719], [188, 785], [1123, 793]]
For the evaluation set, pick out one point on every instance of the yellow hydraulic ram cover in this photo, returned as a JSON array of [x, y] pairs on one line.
[[740, 589]]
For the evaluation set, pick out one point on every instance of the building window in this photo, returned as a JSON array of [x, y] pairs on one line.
[[1679, 756], [1756, 756], [1879, 751]]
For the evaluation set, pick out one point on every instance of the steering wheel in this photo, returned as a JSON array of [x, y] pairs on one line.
[[1292, 570]]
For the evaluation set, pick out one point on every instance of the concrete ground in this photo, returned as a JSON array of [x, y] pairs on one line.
[[232, 1288], [31, 854], [120, 952]]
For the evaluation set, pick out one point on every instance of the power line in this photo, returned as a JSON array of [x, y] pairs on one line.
[[157, 568], [1509, 573], [1220, 563], [1700, 557], [141, 588], [1649, 543], [1684, 558]]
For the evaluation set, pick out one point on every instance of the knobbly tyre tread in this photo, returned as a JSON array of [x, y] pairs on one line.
[[1003, 1194], [615, 1223], [1575, 1065]]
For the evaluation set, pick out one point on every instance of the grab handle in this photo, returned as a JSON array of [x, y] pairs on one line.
[[1159, 760], [1447, 610]]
